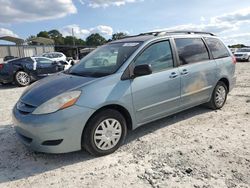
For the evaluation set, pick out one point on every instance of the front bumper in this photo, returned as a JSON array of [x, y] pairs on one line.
[[241, 58], [58, 132], [232, 84], [5, 78]]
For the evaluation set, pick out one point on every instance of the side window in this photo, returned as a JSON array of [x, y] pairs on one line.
[[159, 55], [217, 48], [43, 60], [191, 50]]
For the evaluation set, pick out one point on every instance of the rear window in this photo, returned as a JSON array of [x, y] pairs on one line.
[[217, 48], [191, 50]]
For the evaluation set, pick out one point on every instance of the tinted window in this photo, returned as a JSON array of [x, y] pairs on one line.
[[43, 60], [191, 50], [217, 48], [159, 55]]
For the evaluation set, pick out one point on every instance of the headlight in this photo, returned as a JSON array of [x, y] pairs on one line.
[[59, 102]]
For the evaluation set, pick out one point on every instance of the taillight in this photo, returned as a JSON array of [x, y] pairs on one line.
[[234, 59], [1, 66]]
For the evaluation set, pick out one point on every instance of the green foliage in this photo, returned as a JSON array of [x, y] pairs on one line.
[[237, 46], [118, 36], [44, 34], [69, 40], [95, 40]]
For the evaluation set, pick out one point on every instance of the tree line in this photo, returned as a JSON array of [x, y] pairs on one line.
[[94, 39]]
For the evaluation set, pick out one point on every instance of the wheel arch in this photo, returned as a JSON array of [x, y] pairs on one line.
[[117, 107], [120, 109], [226, 82]]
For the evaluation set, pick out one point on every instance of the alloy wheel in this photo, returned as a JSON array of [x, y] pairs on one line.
[[220, 96], [22, 78]]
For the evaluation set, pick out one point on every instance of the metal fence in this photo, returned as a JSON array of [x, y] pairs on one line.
[[23, 50]]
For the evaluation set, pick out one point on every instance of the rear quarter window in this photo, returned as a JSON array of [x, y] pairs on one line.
[[191, 50], [217, 48]]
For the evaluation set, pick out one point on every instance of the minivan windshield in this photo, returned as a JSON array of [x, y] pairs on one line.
[[105, 60], [244, 50]]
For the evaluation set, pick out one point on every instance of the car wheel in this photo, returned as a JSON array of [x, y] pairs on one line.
[[104, 132], [248, 59], [219, 96], [22, 78]]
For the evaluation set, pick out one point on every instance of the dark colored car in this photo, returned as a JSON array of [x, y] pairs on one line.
[[7, 58], [23, 71]]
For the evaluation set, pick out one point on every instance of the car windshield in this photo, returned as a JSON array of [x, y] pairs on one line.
[[105, 60], [244, 50]]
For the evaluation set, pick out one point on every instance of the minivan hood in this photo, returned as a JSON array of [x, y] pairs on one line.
[[50, 87]]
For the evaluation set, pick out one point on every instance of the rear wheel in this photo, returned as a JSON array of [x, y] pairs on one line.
[[219, 96], [104, 133], [22, 78]]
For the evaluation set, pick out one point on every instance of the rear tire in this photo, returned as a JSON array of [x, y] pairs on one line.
[[219, 96], [104, 132], [22, 78]]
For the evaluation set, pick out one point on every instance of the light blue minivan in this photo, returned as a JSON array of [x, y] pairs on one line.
[[121, 86]]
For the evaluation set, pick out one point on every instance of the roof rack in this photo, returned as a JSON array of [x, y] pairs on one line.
[[162, 33]]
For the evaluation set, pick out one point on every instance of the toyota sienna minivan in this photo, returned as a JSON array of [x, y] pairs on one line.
[[123, 85]]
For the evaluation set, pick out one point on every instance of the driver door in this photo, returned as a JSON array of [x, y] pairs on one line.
[[157, 94], [46, 66]]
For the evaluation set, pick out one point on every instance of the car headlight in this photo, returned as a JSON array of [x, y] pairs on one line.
[[59, 102]]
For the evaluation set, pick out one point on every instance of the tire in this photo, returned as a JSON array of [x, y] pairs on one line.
[[219, 96], [22, 78], [96, 140]]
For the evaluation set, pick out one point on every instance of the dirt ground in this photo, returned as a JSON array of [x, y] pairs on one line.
[[195, 148]]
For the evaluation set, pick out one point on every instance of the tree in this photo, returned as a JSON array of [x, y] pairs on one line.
[[54, 34], [44, 34], [95, 40], [237, 46], [119, 35]]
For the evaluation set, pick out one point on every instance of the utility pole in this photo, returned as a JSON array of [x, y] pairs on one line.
[[74, 44], [73, 36]]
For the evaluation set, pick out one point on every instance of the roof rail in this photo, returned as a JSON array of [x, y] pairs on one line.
[[162, 33]]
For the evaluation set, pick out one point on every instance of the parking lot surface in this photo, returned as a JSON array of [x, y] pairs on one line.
[[195, 148]]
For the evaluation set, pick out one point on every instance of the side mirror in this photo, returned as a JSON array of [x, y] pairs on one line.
[[142, 70]]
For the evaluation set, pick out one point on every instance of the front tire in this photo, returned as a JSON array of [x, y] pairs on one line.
[[104, 132], [219, 96], [22, 78]]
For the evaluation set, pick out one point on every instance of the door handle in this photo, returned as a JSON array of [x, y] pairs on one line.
[[173, 75], [184, 72]]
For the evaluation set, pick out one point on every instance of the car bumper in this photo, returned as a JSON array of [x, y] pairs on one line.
[[5, 78], [58, 132], [241, 58], [232, 84]]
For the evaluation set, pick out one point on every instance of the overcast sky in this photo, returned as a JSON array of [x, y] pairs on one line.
[[229, 19]]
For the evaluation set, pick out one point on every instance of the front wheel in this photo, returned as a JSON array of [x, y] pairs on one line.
[[22, 78], [104, 133], [219, 96]]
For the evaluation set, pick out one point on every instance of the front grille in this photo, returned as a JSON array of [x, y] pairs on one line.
[[238, 55], [25, 108]]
